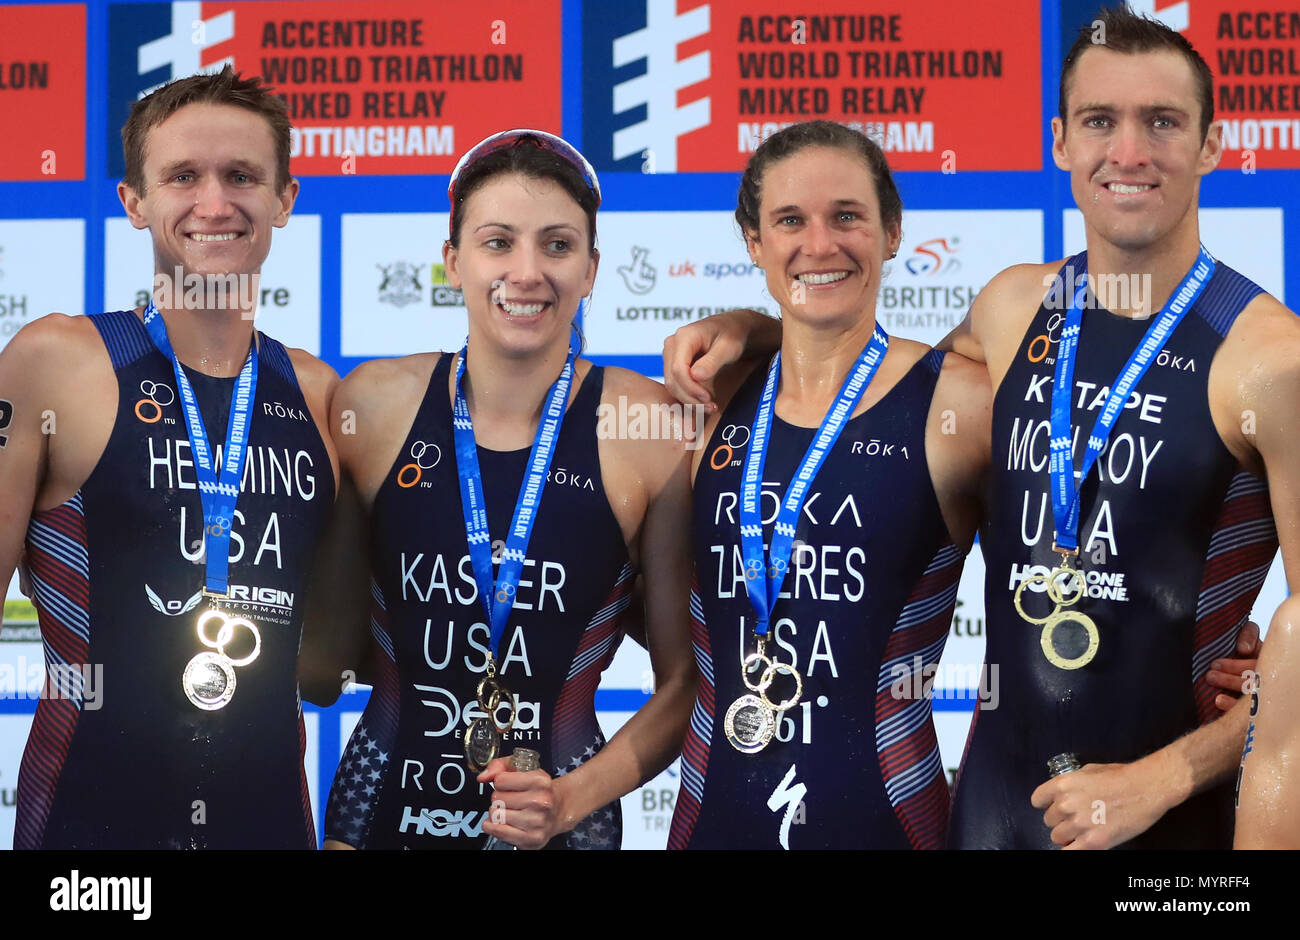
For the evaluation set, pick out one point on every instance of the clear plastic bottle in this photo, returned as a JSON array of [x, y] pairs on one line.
[[521, 761], [1062, 764]]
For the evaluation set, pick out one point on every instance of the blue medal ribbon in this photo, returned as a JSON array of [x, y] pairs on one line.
[[498, 594], [765, 572], [218, 486], [1065, 492]]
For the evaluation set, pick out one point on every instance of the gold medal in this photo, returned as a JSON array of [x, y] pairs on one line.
[[1065, 587], [1049, 648]]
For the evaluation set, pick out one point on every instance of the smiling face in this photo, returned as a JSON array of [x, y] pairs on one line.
[[210, 200], [523, 261], [1132, 145], [821, 241]]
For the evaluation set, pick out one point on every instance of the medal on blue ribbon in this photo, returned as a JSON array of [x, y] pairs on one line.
[[209, 678], [750, 721], [482, 739], [1066, 585]]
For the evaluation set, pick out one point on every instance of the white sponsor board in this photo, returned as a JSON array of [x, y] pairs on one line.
[[13, 736], [958, 677], [1247, 240], [289, 292], [41, 268], [662, 270], [945, 259], [395, 297]]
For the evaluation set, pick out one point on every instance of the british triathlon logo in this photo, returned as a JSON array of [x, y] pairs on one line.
[[423, 457], [933, 257], [631, 48], [157, 396], [399, 284], [151, 44]]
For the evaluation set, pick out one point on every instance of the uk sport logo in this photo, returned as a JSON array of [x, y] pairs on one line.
[[633, 49]]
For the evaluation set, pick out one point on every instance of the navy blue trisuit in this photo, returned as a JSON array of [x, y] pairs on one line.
[[1175, 538], [119, 757], [863, 615], [402, 782]]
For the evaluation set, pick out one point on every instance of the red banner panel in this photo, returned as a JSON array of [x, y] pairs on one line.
[[43, 92]]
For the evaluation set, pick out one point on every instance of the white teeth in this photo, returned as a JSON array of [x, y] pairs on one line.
[[522, 310], [225, 237], [823, 278], [1126, 189]]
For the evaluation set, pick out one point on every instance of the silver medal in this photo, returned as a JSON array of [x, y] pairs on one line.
[[749, 724]]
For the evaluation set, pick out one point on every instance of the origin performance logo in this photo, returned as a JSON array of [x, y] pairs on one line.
[[633, 119], [150, 44]]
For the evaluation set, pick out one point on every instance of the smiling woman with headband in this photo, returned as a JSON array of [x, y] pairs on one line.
[[507, 534]]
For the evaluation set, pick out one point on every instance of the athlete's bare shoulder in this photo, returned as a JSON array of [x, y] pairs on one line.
[[56, 340], [1265, 332], [1256, 375], [1002, 312], [318, 382], [56, 374], [643, 418], [313, 373], [641, 432]]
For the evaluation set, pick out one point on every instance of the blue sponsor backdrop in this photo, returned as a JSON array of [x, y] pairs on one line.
[[127, 30]]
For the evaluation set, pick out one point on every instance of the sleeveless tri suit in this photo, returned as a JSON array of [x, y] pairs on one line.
[[865, 609], [118, 757], [1175, 541], [402, 781]]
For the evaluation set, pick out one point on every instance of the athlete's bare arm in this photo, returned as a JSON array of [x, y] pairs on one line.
[[1268, 808], [336, 596], [363, 422], [1254, 398], [371, 412], [647, 485], [58, 398], [695, 353]]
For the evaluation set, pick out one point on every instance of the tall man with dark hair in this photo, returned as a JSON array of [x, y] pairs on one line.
[[1123, 545], [171, 522]]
